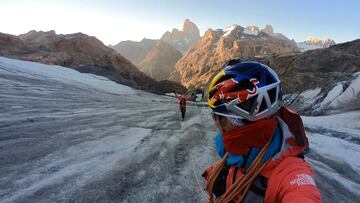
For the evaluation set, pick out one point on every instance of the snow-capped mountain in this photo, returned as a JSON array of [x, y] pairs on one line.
[[315, 43], [73, 137]]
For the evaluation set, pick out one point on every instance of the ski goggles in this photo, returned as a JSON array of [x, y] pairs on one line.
[[238, 122]]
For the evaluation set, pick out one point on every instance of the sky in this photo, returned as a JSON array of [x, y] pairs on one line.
[[113, 21]]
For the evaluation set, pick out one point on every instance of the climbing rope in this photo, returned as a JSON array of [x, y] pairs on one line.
[[241, 185]]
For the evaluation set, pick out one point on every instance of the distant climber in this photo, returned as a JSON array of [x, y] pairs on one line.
[[182, 103], [260, 142]]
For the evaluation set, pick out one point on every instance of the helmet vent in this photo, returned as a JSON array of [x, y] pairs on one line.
[[248, 104], [262, 106], [272, 95]]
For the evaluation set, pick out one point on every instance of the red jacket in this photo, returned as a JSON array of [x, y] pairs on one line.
[[289, 178], [182, 100]]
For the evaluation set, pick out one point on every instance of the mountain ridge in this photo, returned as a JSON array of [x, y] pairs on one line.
[[313, 42], [160, 60], [81, 52], [212, 50]]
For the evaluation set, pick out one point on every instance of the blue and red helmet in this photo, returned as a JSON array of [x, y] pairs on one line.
[[246, 90]]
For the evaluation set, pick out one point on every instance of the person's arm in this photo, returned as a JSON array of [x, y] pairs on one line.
[[298, 185], [176, 96]]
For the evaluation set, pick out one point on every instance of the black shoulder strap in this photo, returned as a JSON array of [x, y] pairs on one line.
[[220, 182], [259, 186]]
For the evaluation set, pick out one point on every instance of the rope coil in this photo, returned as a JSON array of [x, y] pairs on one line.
[[241, 185]]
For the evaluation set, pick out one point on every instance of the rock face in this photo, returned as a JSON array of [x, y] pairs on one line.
[[253, 28], [190, 28], [135, 51], [10, 44], [317, 68], [78, 51], [182, 40], [315, 43], [268, 30], [218, 46], [34, 38], [160, 61]]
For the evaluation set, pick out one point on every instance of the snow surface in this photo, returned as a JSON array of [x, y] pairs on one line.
[[58, 73], [309, 97], [348, 120], [228, 30], [249, 32], [332, 94], [350, 93], [311, 94], [72, 137], [335, 155]]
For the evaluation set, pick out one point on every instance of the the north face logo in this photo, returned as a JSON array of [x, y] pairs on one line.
[[303, 179]]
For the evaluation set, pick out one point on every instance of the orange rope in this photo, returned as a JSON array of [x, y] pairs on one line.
[[242, 185], [198, 188], [212, 177]]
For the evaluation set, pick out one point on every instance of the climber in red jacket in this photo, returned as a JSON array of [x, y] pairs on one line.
[[261, 143], [182, 103]]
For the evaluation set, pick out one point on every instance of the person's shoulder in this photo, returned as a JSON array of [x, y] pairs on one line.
[[294, 178], [296, 172]]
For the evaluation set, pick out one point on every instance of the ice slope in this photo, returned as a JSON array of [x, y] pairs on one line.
[[67, 136], [334, 153], [72, 137], [337, 98]]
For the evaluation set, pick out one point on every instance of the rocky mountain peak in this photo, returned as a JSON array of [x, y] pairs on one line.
[[268, 30], [212, 35], [197, 66], [253, 28], [135, 51], [38, 36], [78, 51], [190, 28], [328, 42], [182, 40], [313, 42], [234, 31], [160, 61]]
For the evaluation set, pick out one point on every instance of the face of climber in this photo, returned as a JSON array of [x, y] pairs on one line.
[[217, 122], [222, 123]]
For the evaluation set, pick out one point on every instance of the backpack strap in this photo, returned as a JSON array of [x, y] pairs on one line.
[[295, 124], [259, 186]]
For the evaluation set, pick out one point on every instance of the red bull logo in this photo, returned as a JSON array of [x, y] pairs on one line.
[[234, 97]]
